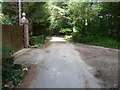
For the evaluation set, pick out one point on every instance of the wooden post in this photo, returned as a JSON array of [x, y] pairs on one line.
[[24, 23]]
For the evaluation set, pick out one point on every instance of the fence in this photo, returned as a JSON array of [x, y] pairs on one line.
[[12, 35]]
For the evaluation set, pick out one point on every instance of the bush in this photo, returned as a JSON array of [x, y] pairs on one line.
[[6, 52], [65, 30], [10, 72], [76, 36], [107, 42], [37, 40], [95, 40], [5, 19], [67, 37]]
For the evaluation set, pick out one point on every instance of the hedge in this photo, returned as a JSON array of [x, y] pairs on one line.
[[37, 40]]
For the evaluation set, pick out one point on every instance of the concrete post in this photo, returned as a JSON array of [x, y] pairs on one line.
[[24, 22]]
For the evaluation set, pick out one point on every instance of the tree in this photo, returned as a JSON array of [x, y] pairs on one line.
[[37, 14], [10, 13]]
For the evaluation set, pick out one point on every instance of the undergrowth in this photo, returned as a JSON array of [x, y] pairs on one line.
[[96, 40], [10, 72]]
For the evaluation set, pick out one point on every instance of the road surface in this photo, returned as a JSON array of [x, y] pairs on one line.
[[58, 65]]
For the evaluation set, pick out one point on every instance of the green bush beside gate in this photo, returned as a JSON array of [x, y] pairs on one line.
[[37, 40]]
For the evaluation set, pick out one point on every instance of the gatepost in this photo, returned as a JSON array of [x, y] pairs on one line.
[[24, 22]]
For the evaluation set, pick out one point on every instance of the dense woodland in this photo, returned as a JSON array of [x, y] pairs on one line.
[[87, 22]]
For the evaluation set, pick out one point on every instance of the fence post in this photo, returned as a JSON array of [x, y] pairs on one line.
[[24, 22]]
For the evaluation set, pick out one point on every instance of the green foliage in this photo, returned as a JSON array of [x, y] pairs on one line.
[[40, 14], [86, 17], [76, 37], [6, 19], [65, 30], [37, 40], [10, 12], [10, 71], [106, 42], [100, 41], [82, 38], [6, 51], [57, 18], [67, 37]]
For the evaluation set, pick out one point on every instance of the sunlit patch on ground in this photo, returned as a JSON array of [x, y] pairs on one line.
[[57, 39]]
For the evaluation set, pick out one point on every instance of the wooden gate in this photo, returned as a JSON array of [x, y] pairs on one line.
[[12, 35]]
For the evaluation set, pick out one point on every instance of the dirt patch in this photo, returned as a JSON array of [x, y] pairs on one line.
[[104, 61]]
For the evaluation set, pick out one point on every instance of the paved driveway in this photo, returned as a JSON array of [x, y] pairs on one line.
[[58, 65]]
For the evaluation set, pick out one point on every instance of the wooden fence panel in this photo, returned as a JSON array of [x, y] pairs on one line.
[[12, 35]]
